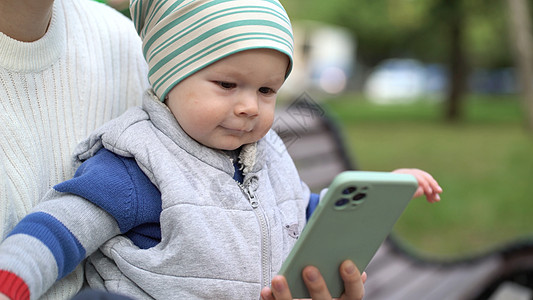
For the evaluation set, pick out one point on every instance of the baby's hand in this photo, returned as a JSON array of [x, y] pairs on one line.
[[426, 184]]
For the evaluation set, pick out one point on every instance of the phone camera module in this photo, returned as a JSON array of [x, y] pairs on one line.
[[341, 202], [359, 196], [349, 190]]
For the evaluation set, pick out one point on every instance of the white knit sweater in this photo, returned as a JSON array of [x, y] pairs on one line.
[[87, 69]]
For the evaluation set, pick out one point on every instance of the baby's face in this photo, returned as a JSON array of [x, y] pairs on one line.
[[230, 102]]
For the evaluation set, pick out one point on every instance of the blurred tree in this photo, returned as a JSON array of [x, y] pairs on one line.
[[381, 27], [415, 28], [451, 13], [459, 34], [520, 30]]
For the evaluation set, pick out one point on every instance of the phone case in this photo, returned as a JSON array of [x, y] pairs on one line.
[[351, 221]]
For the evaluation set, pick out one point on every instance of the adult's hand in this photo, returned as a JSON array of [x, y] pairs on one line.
[[353, 284]]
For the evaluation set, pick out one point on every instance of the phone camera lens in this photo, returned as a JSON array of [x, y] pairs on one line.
[[341, 202], [349, 190], [359, 196]]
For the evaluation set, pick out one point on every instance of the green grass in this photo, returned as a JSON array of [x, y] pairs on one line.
[[484, 164]]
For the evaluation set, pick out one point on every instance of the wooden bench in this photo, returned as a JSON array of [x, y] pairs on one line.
[[315, 142]]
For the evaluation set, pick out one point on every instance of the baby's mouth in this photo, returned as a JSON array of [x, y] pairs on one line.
[[237, 129]]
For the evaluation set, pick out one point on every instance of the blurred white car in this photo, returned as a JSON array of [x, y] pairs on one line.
[[404, 80]]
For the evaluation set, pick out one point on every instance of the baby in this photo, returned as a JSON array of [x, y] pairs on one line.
[[189, 196]]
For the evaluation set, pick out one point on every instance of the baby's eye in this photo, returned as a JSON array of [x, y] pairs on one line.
[[226, 85], [266, 90]]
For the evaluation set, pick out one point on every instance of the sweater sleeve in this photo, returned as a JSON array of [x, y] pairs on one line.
[[13, 286], [51, 241], [109, 195]]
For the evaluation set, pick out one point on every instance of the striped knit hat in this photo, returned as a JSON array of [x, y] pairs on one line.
[[182, 36]]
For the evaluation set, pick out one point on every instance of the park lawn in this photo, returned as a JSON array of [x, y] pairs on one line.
[[484, 163]]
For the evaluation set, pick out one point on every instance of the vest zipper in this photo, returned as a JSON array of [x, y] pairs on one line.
[[265, 241], [251, 196]]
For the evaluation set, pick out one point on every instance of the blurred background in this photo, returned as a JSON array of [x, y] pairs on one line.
[[441, 85], [436, 85]]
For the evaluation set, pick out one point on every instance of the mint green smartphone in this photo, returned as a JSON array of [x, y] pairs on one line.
[[351, 221]]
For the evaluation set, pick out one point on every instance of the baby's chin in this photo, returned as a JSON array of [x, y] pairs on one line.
[[229, 145], [226, 146]]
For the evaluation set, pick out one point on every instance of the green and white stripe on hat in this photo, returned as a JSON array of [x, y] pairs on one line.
[[182, 36]]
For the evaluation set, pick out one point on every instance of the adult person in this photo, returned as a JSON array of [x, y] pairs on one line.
[[66, 67]]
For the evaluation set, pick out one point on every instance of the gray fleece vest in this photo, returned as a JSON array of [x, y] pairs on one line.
[[220, 239]]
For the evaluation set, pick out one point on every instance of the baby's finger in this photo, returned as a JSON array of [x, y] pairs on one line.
[[419, 192], [433, 198], [421, 178], [434, 185], [429, 185], [432, 193]]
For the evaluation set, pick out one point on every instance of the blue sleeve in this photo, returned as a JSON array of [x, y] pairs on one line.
[[117, 185], [313, 202]]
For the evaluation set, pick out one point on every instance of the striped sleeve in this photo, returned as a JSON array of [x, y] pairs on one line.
[[50, 242], [109, 195], [65, 247], [13, 286]]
